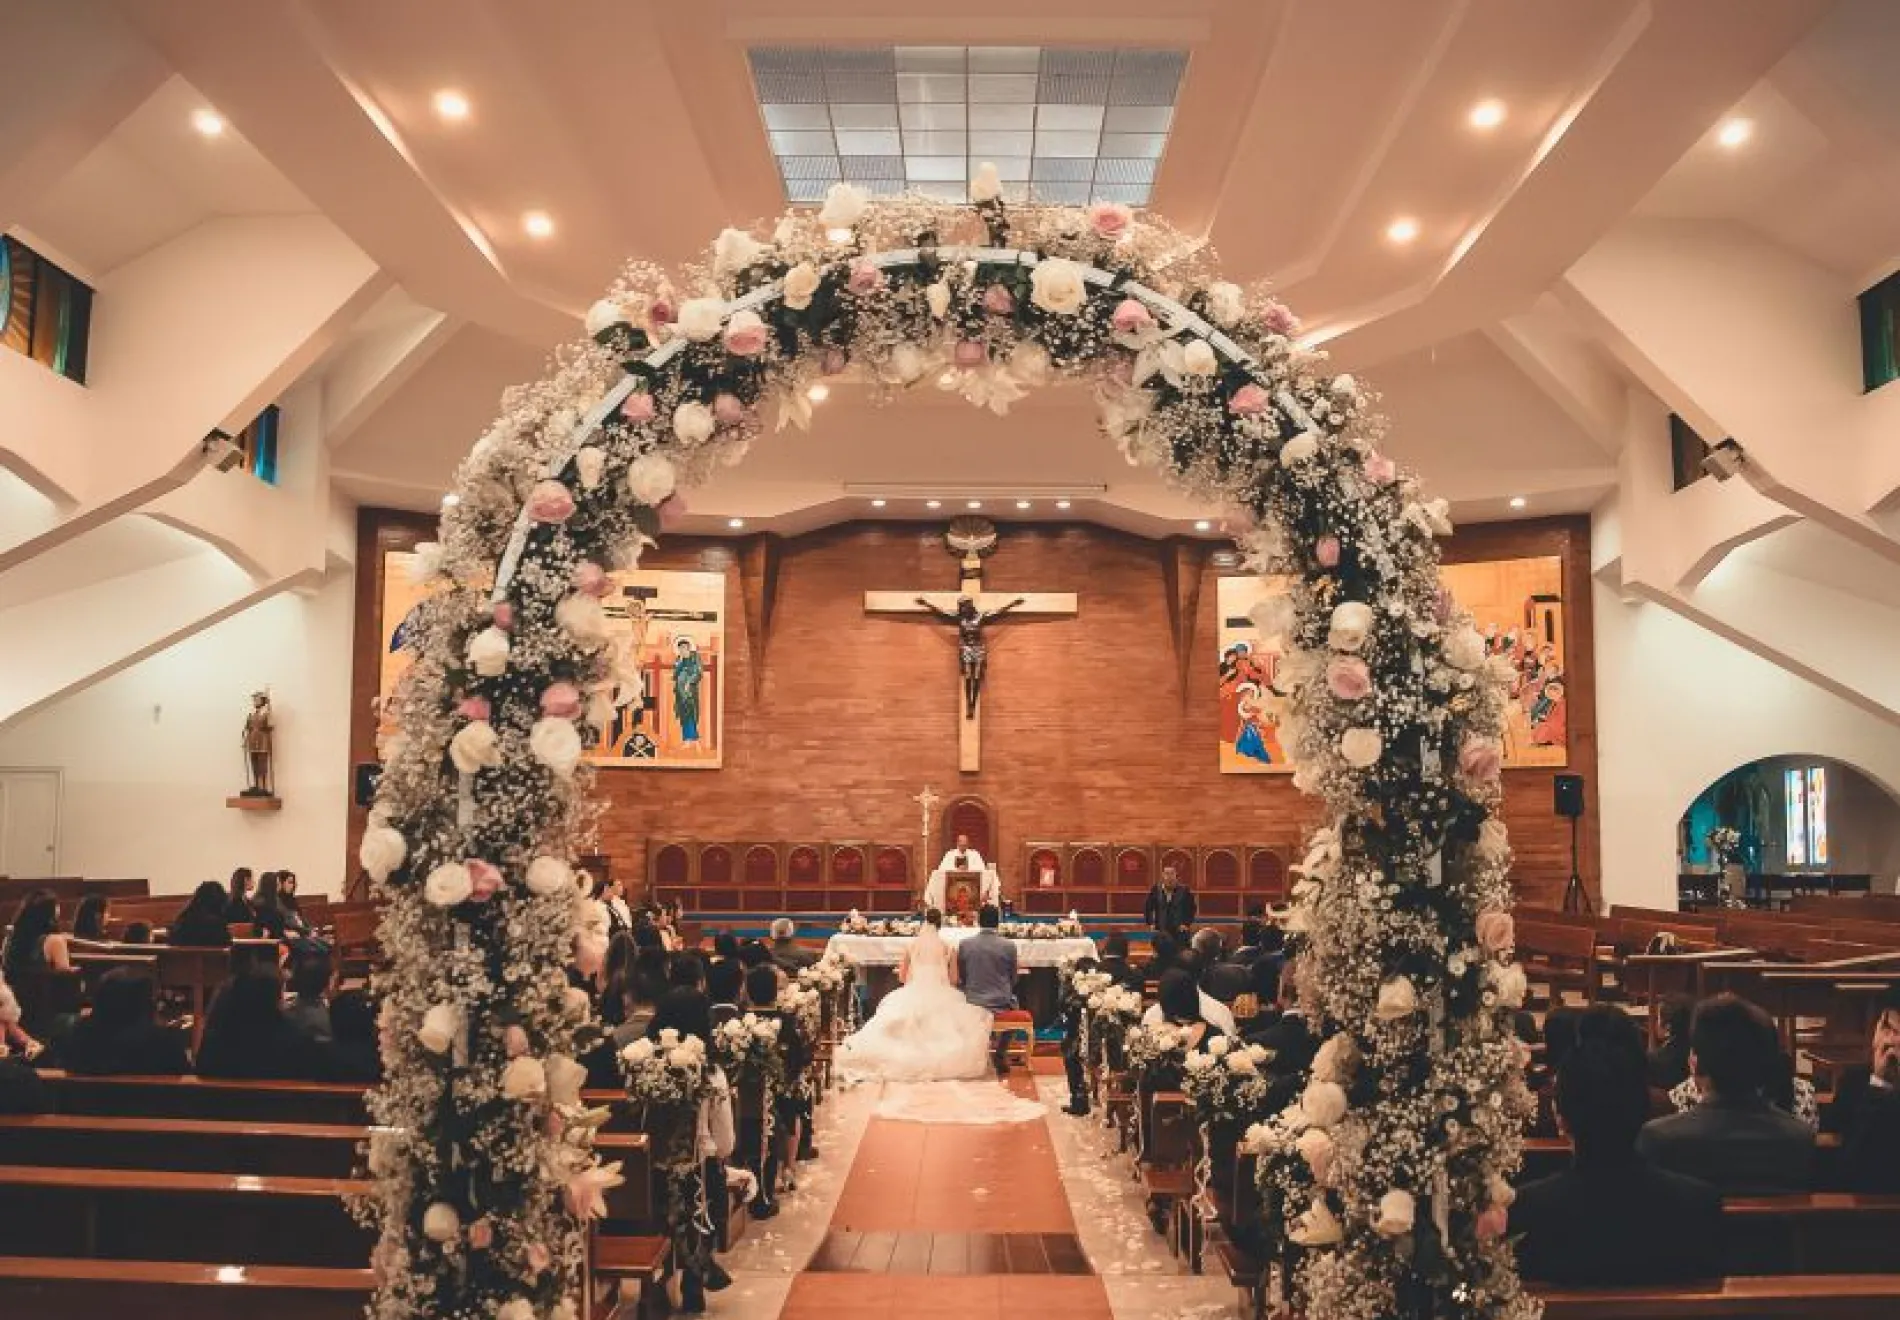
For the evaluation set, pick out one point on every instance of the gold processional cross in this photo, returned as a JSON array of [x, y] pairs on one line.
[[970, 608]]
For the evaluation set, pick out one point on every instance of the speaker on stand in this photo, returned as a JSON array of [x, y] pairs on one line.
[[1567, 791]]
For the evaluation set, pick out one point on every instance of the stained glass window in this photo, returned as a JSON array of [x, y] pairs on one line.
[[1797, 794], [1806, 792], [1880, 333], [45, 313]]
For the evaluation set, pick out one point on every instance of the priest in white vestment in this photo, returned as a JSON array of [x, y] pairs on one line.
[[962, 858]]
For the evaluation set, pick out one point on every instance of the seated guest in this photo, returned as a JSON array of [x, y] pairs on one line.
[[784, 946], [1115, 962], [1291, 1038], [725, 946], [1669, 1061], [89, 922], [646, 935], [1734, 1138], [1207, 1008], [353, 1052], [1613, 1218], [725, 979], [633, 994], [668, 922], [753, 953], [1263, 983], [15, 1044], [247, 1035], [1252, 933], [278, 916], [122, 1036], [755, 1153], [36, 943], [684, 1007], [309, 1008], [1560, 1037], [202, 925], [1223, 978], [1866, 1108], [239, 910], [616, 970], [1164, 955], [1184, 1004], [137, 932]]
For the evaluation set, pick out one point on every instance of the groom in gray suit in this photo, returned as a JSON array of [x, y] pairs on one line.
[[986, 969]]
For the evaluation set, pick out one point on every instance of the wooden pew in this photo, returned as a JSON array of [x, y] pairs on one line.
[[184, 1145], [1786, 1297], [206, 1218], [1561, 956], [1821, 1233], [208, 1097], [40, 1288]]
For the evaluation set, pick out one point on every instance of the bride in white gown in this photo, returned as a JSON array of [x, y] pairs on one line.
[[925, 1030]]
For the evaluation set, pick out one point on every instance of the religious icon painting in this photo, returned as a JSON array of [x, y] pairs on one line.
[[667, 630], [401, 597], [1250, 741]]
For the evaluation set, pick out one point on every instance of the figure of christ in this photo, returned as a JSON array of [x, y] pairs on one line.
[[972, 650]]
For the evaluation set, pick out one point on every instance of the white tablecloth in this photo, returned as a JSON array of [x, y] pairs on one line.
[[885, 950]]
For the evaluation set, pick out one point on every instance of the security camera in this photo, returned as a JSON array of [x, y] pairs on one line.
[[220, 453], [1725, 460]]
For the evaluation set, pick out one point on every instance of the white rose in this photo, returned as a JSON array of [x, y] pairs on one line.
[[987, 184], [381, 851], [1494, 841], [681, 1057], [475, 747], [651, 477], [1275, 616], [638, 1051], [1345, 387], [1361, 748], [425, 563], [589, 464], [801, 282], [693, 422], [488, 652], [1335, 1060], [583, 619], [1217, 1046], [565, 1079], [524, 1078], [1058, 286], [669, 1038], [1259, 1053], [1323, 1103], [1225, 305], [520, 1308], [556, 743], [447, 885], [733, 251], [575, 1003], [1351, 624], [1315, 1147], [1398, 998], [1499, 1192], [700, 318], [1299, 449], [904, 365], [564, 1310], [440, 1223], [1197, 358], [1242, 1064], [1197, 1062], [439, 1028], [765, 1029], [548, 876], [844, 206], [1511, 984], [1029, 363], [1396, 1210], [1318, 1227], [602, 315], [1464, 649], [938, 296]]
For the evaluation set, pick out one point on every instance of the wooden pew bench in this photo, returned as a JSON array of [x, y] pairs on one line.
[[205, 1218], [1788, 1297], [40, 1288], [1563, 957], [183, 1145], [1821, 1233], [208, 1097]]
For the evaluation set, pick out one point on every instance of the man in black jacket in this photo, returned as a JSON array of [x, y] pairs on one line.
[[1613, 1218], [1115, 963], [1866, 1108], [1170, 906]]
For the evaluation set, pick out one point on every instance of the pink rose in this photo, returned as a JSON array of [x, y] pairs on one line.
[[661, 310], [865, 278], [1497, 932], [1480, 760], [998, 300], [473, 708], [1347, 678], [1279, 319], [1110, 219], [727, 410], [672, 510], [1131, 316], [638, 407], [503, 615], [1380, 470], [550, 502], [515, 1041], [1248, 401], [590, 579], [561, 701], [538, 1258], [1326, 551], [834, 361], [1492, 1222], [483, 879], [746, 339], [971, 353], [481, 1235]]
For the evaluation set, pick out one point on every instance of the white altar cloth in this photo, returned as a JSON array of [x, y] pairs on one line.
[[885, 950]]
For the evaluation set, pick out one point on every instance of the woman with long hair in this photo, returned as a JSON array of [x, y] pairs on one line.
[[122, 1036], [278, 916], [239, 910], [248, 1036], [89, 922], [202, 925], [36, 944]]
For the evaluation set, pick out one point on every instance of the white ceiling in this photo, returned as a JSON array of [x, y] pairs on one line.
[[124, 545]]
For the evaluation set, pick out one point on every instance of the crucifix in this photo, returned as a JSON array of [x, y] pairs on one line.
[[969, 607]]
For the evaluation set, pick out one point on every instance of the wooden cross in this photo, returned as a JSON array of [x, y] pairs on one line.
[[970, 607]]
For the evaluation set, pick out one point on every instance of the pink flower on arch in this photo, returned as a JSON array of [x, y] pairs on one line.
[[1110, 220], [998, 300], [1347, 678], [1248, 401], [561, 701], [539, 1258], [1492, 1223], [1380, 470], [638, 407], [550, 502], [672, 510], [483, 879], [1131, 316], [1279, 319], [865, 277], [503, 615], [727, 410], [971, 353], [473, 708], [481, 1234], [590, 579], [515, 1042], [834, 361], [1480, 760], [746, 335], [1497, 932], [1326, 551]]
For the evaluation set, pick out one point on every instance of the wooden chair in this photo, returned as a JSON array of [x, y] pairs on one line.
[[1015, 1031]]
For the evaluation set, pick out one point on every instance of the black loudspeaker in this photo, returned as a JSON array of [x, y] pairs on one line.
[[1569, 796], [368, 775]]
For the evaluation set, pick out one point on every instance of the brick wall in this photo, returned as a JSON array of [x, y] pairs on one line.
[[1085, 734]]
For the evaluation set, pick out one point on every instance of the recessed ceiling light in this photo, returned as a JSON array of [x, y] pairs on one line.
[[1022, 504], [451, 106], [1203, 525], [933, 504], [1062, 504], [1734, 132], [450, 500], [819, 392], [877, 504], [1487, 114], [1518, 501], [209, 123], [1402, 230], [538, 224], [735, 522], [974, 504]]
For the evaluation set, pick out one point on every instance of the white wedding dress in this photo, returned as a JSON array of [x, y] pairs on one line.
[[924, 1030]]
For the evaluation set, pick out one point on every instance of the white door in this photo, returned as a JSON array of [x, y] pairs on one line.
[[29, 823]]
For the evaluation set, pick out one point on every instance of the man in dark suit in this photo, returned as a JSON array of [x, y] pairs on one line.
[[1115, 962], [1669, 1061], [683, 1007], [1170, 906], [1290, 1037], [1217, 974], [724, 979], [1734, 1139], [754, 1151], [1613, 1218], [986, 969], [1866, 1108]]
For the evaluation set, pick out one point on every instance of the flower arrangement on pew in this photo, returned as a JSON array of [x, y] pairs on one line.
[[1157, 1053], [1225, 1084], [667, 1081], [1111, 1014], [747, 1050]]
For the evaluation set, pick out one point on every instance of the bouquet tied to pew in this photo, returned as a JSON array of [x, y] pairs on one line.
[[747, 1051], [1226, 1084]]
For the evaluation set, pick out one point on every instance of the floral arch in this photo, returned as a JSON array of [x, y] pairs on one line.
[[1392, 1164]]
